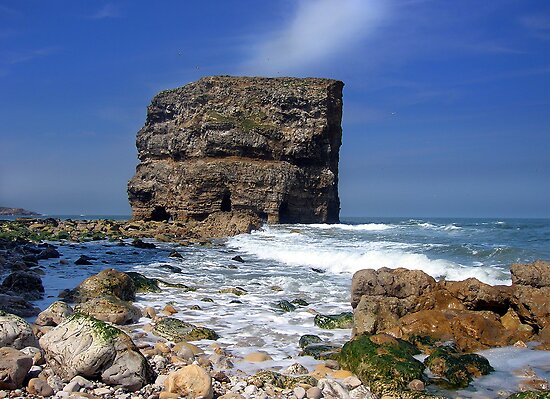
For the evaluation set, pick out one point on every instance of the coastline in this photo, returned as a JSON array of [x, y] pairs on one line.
[[149, 297]]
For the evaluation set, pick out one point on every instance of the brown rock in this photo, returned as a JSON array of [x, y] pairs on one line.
[[532, 305], [36, 386], [257, 357], [475, 295], [268, 146], [191, 381], [106, 282], [55, 314], [398, 283], [14, 366], [111, 309], [536, 274]]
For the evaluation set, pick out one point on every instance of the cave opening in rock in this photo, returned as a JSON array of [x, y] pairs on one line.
[[159, 214], [226, 202], [284, 216]]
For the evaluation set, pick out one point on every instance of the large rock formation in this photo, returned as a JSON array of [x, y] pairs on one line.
[[268, 146]]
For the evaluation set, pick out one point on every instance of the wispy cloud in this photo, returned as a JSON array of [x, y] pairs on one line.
[[109, 10], [317, 31], [8, 60], [537, 25]]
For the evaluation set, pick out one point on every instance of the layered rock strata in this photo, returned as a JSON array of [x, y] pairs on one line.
[[264, 146], [409, 303]]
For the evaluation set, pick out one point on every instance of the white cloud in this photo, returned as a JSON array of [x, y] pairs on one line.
[[107, 11], [318, 30]]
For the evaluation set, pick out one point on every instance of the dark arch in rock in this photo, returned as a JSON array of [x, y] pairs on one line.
[[160, 214]]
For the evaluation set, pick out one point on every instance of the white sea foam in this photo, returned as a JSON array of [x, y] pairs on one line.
[[335, 256], [353, 227]]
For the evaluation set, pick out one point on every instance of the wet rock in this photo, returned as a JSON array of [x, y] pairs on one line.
[[285, 306], [170, 268], [309, 339], [238, 258], [106, 282], [17, 305], [384, 366], [55, 314], [176, 330], [88, 347], [138, 243], [15, 332], [175, 254], [83, 261], [48, 253], [295, 369], [144, 284], [256, 357], [110, 309], [233, 290], [321, 351], [329, 322], [457, 370], [14, 367], [26, 283], [190, 381], [299, 302]]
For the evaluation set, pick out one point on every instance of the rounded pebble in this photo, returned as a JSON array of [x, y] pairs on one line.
[[314, 393]]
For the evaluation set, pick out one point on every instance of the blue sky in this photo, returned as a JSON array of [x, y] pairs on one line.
[[446, 103]]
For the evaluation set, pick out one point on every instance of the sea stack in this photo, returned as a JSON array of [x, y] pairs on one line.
[[267, 146]]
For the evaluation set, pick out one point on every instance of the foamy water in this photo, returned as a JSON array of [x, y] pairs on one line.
[[314, 263]]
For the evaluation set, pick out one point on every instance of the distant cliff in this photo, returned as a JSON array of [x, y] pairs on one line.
[[267, 146], [16, 212]]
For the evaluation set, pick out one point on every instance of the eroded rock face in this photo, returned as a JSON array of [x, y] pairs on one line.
[[408, 303], [268, 146]]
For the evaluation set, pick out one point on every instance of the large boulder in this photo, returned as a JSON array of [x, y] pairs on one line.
[[106, 282], [91, 348], [15, 332], [14, 366]]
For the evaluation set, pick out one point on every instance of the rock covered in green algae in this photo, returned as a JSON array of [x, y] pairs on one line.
[[91, 348], [144, 284], [390, 362], [321, 351], [332, 321], [285, 306], [309, 339], [457, 369], [176, 330], [530, 395], [106, 282], [268, 377], [176, 285]]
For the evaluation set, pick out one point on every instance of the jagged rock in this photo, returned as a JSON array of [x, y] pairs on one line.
[[536, 274], [268, 146], [85, 346], [233, 290], [106, 282], [285, 306], [190, 381], [15, 332], [27, 283], [55, 314], [110, 309], [14, 367], [309, 339]]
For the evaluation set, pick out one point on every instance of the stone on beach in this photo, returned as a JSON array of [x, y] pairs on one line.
[[55, 314], [191, 381], [15, 332], [88, 347], [110, 309], [106, 282], [14, 366]]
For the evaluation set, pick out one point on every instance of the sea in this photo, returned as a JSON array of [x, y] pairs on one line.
[[316, 262]]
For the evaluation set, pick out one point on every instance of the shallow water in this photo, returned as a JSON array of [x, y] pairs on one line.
[[279, 263]]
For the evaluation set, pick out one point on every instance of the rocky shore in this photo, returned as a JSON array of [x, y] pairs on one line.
[[411, 333]]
